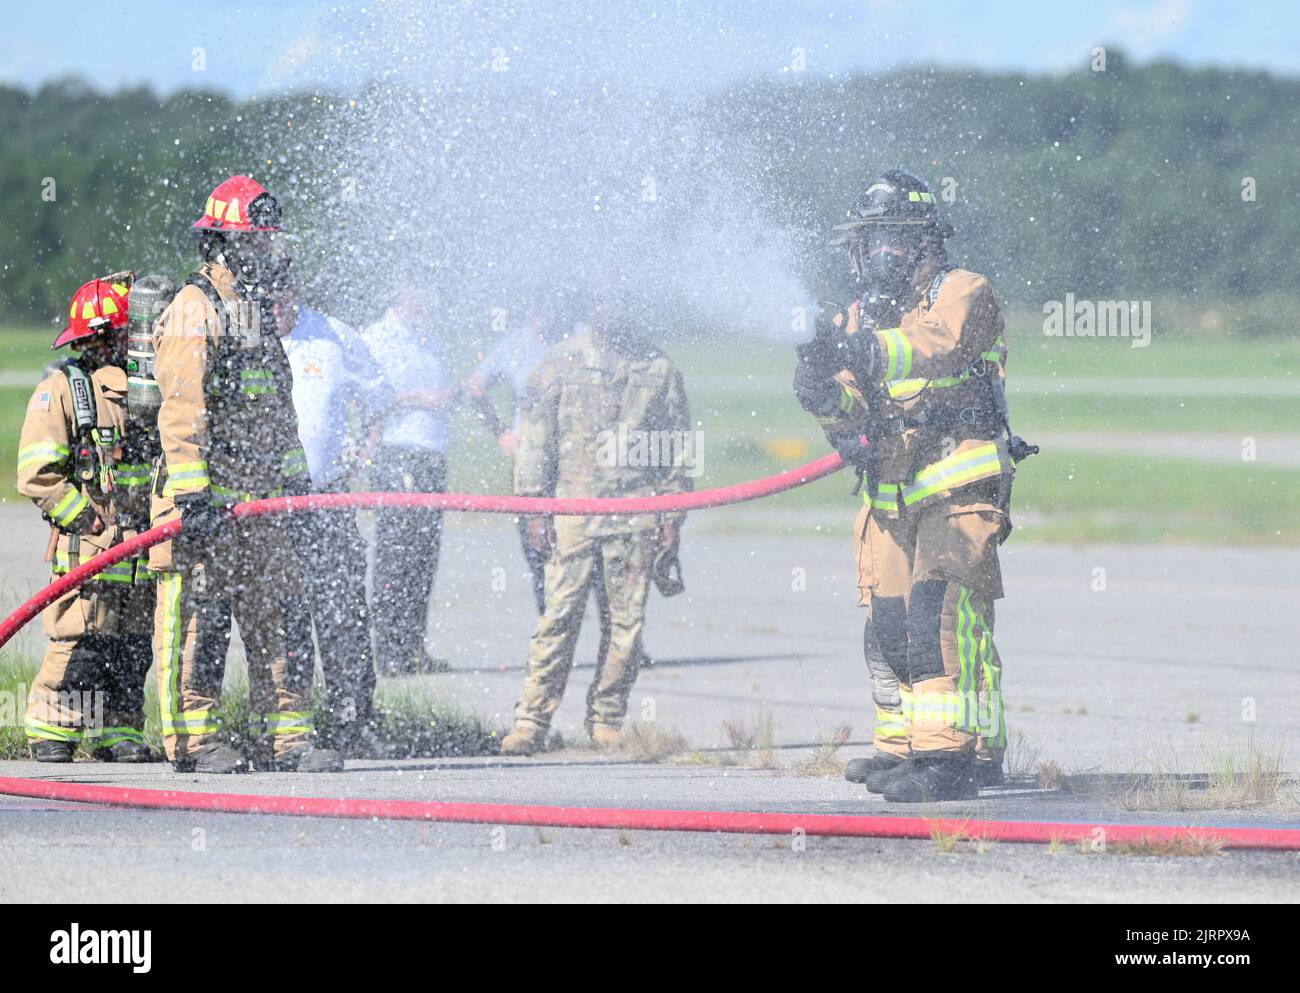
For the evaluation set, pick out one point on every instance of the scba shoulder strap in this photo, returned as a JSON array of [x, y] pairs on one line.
[[214, 298], [935, 284], [85, 463]]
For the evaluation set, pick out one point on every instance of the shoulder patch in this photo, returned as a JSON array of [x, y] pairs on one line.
[[40, 401]]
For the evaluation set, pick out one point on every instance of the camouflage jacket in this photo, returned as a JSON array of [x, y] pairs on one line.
[[606, 421]]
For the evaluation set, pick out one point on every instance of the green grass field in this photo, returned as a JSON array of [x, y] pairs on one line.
[[752, 426]]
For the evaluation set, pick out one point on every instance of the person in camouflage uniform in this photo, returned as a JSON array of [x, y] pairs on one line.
[[603, 415]]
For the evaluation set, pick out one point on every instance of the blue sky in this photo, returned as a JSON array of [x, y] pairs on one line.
[[260, 48]]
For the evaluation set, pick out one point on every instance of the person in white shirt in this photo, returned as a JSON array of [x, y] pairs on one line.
[[335, 379], [410, 457]]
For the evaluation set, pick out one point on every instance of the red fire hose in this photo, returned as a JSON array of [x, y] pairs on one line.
[[478, 502], [620, 818], [845, 825]]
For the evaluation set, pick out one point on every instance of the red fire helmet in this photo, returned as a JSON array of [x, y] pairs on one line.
[[241, 203], [98, 306]]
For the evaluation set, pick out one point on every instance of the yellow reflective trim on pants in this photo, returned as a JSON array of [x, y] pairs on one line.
[[290, 722], [847, 400], [257, 382], [50, 732], [984, 716], [191, 722], [108, 737], [131, 474], [169, 651], [956, 470], [966, 621], [890, 724], [119, 572], [294, 462], [939, 708], [186, 477]]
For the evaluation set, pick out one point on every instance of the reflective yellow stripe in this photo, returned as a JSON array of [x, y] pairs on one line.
[[898, 353], [981, 674], [186, 477], [255, 382], [50, 732], [69, 508], [939, 708], [118, 572], [290, 722], [46, 452], [294, 462], [108, 737], [886, 497], [890, 724], [169, 650], [131, 474], [966, 622], [956, 470], [191, 722], [847, 400]]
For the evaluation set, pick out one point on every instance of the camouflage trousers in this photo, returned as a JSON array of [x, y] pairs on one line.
[[617, 567]]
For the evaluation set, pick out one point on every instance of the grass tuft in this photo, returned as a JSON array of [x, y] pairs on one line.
[[825, 762], [1234, 781], [645, 741]]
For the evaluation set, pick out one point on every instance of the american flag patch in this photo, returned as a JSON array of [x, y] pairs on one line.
[[41, 401]]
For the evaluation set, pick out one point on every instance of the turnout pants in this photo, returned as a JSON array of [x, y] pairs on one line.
[[618, 566], [249, 574], [333, 556], [91, 682], [407, 544], [928, 579]]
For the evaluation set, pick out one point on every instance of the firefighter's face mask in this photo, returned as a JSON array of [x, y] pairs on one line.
[[260, 261], [885, 259], [104, 349]]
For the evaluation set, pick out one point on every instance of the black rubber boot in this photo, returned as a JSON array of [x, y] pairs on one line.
[[877, 781], [929, 780], [124, 751], [220, 759], [988, 773], [44, 750], [858, 770], [358, 740], [310, 759]]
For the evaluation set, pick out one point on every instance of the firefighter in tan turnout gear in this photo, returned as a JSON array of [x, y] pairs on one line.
[[86, 470], [603, 415], [229, 434], [908, 384]]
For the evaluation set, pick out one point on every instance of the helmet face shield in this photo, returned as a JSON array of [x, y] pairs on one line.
[[261, 260], [879, 250]]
